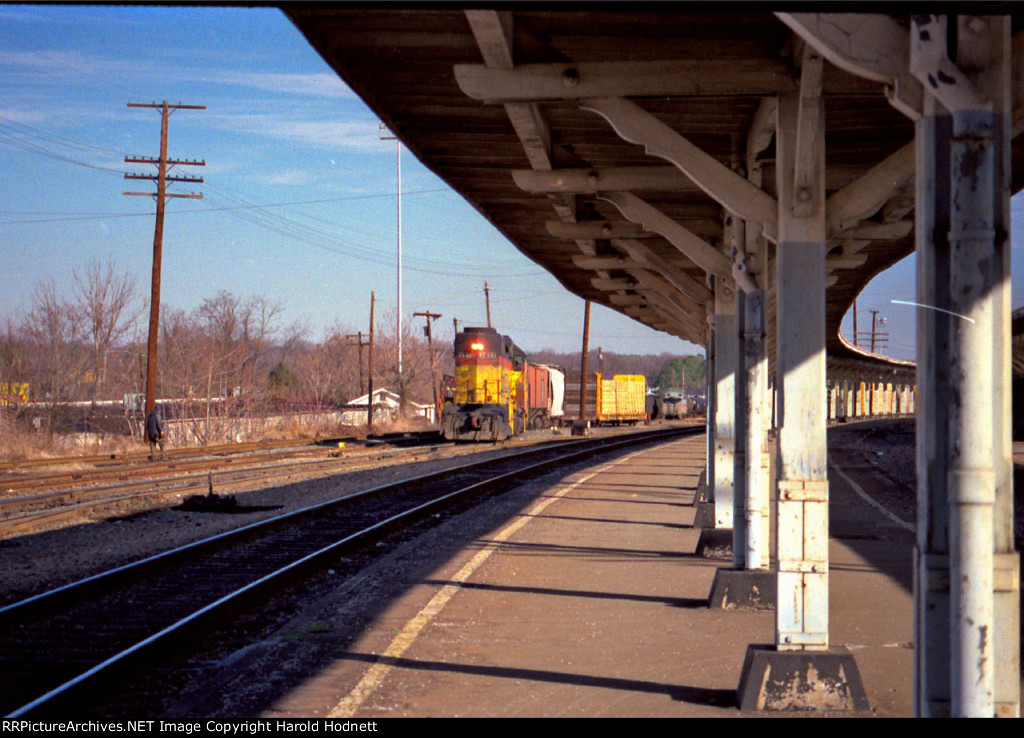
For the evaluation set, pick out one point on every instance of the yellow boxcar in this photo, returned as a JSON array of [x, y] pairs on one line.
[[622, 399]]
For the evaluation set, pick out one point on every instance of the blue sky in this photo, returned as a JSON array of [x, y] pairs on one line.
[[299, 194]]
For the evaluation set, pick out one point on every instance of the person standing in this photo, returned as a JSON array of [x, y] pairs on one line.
[[155, 433]]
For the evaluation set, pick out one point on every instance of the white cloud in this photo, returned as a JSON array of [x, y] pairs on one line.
[[286, 177], [326, 134], [314, 84]]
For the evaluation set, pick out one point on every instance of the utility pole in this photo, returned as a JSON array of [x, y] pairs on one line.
[[360, 343], [386, 135], [487, 298], [163, 164], [369, 391], [854, 322], [583, 362], [430, 347], [877, 338]]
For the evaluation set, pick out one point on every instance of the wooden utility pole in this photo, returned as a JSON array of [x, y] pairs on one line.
[[583, 361], [487, 299], [369, 391], [161, 178], [360, 343], [854, 322], [430, 347]]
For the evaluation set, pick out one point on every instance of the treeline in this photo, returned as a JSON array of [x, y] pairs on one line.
[[666, 371], [231, 354]]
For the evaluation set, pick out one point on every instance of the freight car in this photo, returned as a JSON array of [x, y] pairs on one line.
[[545, 394], [621, 399], [674, 404]]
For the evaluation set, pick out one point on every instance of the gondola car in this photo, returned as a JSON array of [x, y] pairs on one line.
[[488, 397]]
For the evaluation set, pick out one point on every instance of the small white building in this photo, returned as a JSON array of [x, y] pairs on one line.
[[385, 409]]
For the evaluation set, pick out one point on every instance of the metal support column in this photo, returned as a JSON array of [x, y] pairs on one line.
[[801, 671], [802, 614], [726, 361], [967, 577]]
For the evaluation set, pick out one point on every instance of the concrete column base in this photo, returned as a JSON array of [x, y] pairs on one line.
[[743, 589], [703, 493], [715, 543], [806, 681], [705, 515]]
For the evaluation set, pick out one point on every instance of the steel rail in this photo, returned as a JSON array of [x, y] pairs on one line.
[[579, 451], [71, 503]]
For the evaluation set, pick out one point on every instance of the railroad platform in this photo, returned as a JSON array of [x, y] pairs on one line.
[[588, 600]]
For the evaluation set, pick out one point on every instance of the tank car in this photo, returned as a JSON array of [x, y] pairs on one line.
[[487, 400]]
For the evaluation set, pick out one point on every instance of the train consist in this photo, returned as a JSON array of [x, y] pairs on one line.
[[496, 393]]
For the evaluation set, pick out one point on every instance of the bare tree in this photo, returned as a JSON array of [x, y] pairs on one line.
[[107, 311], [54, 328]]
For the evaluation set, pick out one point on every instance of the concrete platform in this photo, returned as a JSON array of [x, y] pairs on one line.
[[587, 600]]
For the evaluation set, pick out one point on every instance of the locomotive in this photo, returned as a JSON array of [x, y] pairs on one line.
[[496, 393]]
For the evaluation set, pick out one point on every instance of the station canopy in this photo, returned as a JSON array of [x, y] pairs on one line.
[[514, 110]]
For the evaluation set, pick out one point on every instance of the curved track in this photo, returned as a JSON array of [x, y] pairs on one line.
[[60, 646]]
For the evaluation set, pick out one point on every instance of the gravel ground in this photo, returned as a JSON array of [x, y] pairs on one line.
[[42, 561], [31, 564], [889, 447]]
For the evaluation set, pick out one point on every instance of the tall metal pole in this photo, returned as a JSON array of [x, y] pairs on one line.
[[398, 319]]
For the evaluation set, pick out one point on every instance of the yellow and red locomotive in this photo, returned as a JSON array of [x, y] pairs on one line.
[[487, 398]]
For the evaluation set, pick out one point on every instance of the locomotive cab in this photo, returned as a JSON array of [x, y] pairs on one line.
[[489, 393]]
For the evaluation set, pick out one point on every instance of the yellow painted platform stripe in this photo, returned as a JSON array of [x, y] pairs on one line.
[[376, 674]]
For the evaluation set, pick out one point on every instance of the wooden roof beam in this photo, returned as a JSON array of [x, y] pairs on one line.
[[493, 31], [658, 78], [706, 256], [605, 263], [731, 190], [869, 45], [596, 229], [610, 179], [652, 282], [866, 195], [680, 280]]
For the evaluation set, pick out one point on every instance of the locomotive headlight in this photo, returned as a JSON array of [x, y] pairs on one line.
[[477, 346]]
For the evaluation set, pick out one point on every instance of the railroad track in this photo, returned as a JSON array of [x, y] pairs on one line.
[[60, 650], [36, 502], [13, 470]]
